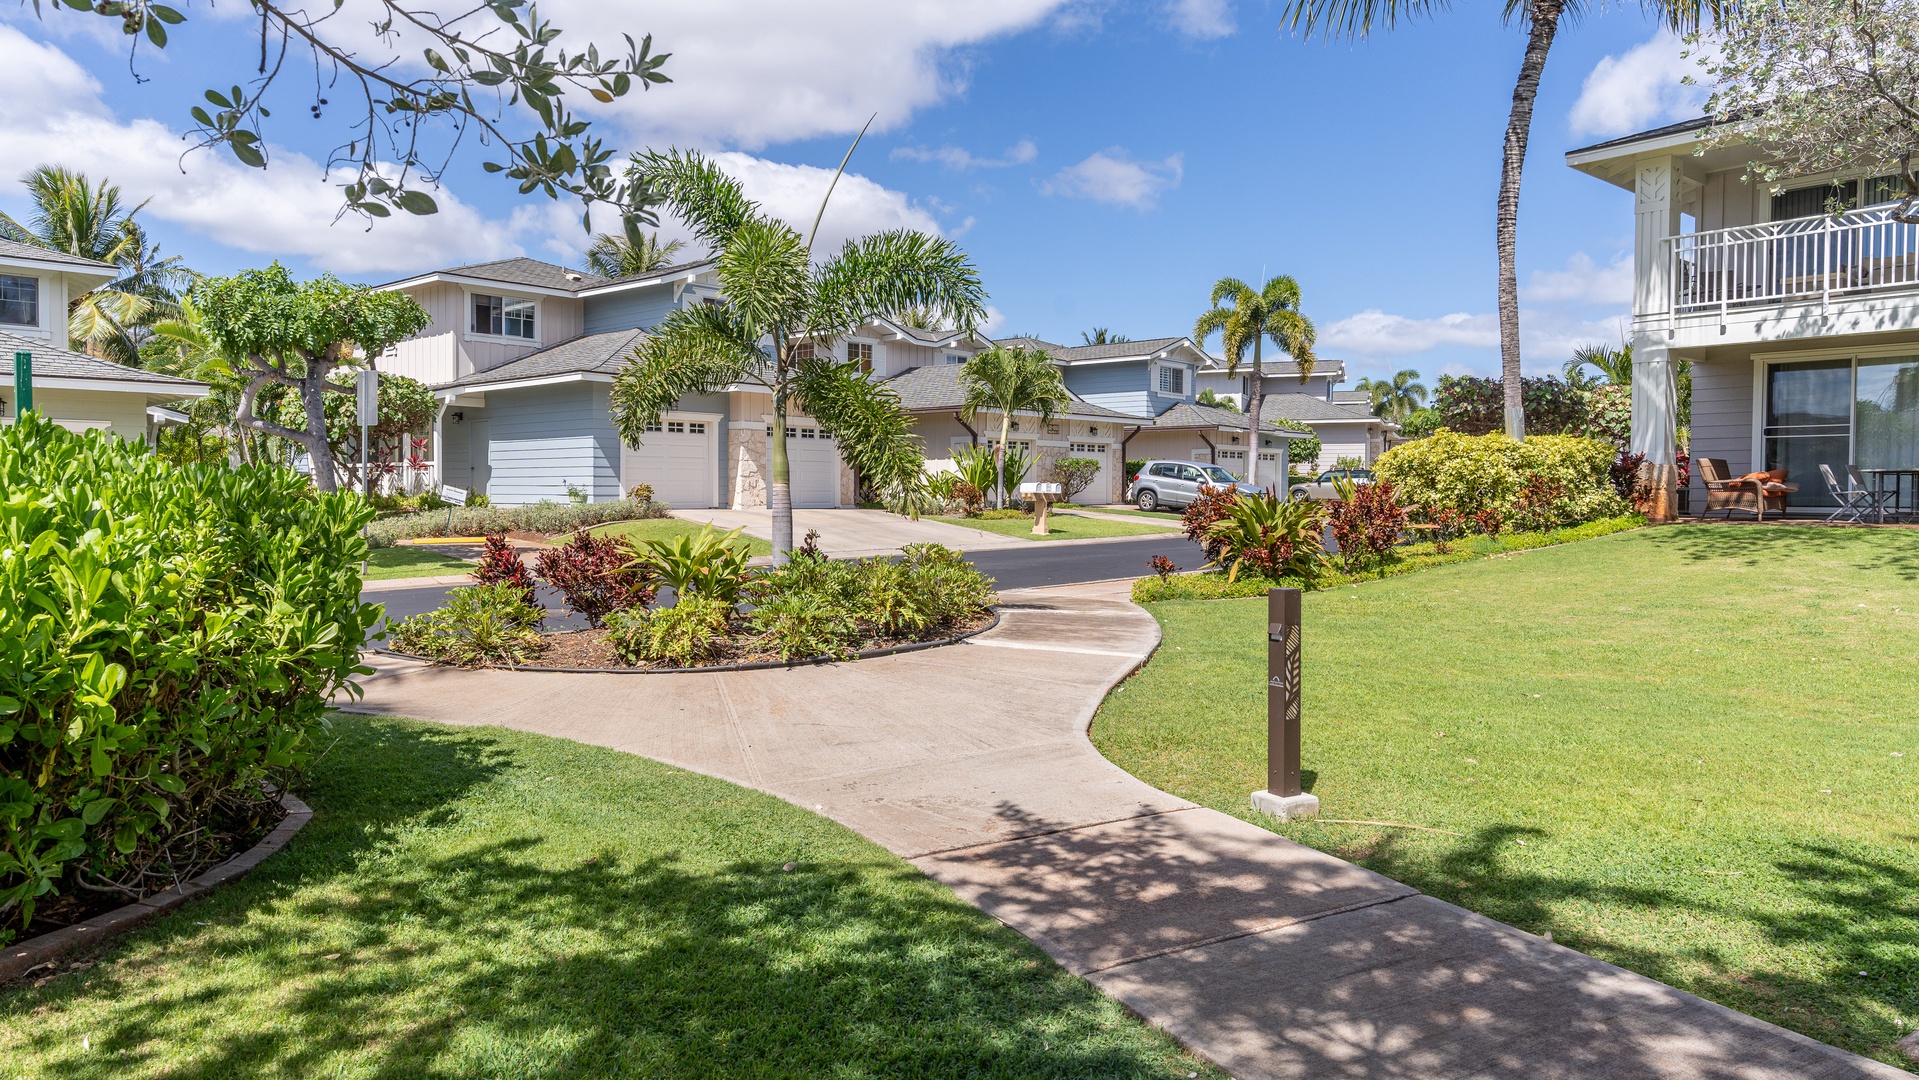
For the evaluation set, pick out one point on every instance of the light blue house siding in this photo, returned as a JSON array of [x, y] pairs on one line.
[[635, 309], [543, 438], [1126, 386]]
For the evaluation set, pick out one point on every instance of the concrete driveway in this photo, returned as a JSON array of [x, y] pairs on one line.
[[856, 533]]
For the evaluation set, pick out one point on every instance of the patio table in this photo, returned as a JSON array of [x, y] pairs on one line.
[[1879, 489]]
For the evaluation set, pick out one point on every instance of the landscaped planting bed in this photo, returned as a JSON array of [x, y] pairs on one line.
[[723, 612], [1687, 750], [542, 519]]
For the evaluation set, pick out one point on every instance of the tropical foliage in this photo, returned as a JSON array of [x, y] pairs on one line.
[[1396, 398], [705, 563], [546, 518], [1009, 379], [1269, 536], [277, 331], [1546, 482], [1245, 319], [776, 327], [630, 252], [481, 626], [73, 215], [1073, 475], [173, 635], [595, 575]]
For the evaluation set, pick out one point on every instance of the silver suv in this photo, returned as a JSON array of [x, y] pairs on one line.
[[1176, 483]]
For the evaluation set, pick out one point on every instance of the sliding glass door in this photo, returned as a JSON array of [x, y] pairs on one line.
[[1809, 424], [1886, 418]]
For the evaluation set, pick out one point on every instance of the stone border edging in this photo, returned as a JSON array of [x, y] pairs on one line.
[[761, 665], [24, 957]]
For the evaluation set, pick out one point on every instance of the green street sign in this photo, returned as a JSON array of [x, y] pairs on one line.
[[22, 382]]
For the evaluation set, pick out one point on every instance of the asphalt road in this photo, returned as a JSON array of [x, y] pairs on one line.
[[1031, 566]]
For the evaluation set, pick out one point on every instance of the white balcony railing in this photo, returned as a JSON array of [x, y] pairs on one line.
[[1798, 261]]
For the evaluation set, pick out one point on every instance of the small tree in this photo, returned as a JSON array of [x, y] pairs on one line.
[[1009, 379], [1299, 451], [1245, 318], [1819, 85], [277, 331], [1073, 474]]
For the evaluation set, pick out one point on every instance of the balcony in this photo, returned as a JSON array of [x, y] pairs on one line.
[[1799, 261]]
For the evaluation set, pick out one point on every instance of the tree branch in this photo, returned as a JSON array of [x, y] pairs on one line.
[[245, 418]]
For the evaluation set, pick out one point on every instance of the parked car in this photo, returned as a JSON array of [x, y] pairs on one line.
[[1175, 484], [1321, 489]]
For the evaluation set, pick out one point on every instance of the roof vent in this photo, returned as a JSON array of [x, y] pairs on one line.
[[574, 275]]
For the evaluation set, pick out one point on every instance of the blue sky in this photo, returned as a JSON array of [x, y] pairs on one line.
[[1103, 162]]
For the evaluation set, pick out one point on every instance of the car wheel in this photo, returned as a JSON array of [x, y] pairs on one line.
[[1147, 501], [1300, 494]]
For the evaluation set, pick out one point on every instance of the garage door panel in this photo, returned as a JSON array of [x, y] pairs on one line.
[[677, 458], [815, 460]]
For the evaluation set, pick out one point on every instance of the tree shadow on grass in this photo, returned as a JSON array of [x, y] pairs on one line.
[[1852, 912], [1882, 551], [493, 961]]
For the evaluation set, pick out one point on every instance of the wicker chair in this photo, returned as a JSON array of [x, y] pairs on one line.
[[1751, 494]]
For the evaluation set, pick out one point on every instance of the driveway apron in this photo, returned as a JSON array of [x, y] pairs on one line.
[[1263, 955]]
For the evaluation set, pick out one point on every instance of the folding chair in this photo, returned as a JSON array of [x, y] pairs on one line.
[[1855, 501]]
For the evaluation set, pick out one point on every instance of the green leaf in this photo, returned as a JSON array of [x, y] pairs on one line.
[[166, 14], [416, 202], [125, 839], [376, 210], [156, 34], [214, 96], [248, 154], [169, 783], [436, 61], [95, 811]]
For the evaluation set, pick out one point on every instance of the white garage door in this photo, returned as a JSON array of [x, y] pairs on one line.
[[815, 461], [677, 458], [1101, 489]]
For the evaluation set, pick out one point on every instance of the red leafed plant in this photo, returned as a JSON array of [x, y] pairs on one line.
[[501, 565], [1368, 525], [1489, 521], [594, 574], [1212, 505], [1163, 566]]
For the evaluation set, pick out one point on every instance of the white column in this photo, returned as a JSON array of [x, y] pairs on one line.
[[1655, 219]]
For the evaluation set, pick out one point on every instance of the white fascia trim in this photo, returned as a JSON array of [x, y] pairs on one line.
[[450, 393], [1683, 139], [48, 266], [682, 277], [900, 332], [121, 386], [475, 282]]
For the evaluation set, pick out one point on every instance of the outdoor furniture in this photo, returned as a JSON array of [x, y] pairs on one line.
[[1886, 499], [1754, 493], [1855, 499]]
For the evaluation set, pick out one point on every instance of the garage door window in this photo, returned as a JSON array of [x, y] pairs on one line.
[[804, 433], [1086, 448]]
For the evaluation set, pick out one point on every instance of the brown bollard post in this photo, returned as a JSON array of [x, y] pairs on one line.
[[1283, 798]]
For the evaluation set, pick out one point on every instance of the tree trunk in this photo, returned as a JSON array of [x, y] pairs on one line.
[[779, 487], [319, 451], [1545, 23], [1254, 392], [999, 455]]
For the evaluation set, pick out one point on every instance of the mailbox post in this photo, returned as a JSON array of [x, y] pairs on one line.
[[1283, 797], [1042, 496]]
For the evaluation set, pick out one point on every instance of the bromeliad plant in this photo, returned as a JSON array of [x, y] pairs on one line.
[[705, 563], [778, 319], [1272, 537]]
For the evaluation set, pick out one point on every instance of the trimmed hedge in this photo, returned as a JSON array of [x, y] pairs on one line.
[[1409, 558], [172, 635], [1548, 481], [546, 518]]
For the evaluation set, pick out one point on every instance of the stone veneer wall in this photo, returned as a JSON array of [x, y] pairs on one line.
[[746, 453]]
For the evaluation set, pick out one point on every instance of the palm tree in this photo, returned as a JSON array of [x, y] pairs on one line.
[[1394, 399], [1099, 335], [1614, 364], [1007, 379], [633, 253], [1541, 18], [1244, 318], [775, 300], [74, 216]]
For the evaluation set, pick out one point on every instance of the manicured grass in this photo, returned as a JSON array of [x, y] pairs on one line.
[[1061, 526], [1692, 751], [482, 903], [1165, 517], [405, 562], [664, 528]]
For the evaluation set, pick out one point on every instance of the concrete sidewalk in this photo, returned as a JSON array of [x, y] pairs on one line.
[[1268, 957], [848, 534]]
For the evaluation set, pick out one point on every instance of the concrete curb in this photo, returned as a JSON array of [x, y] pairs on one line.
[[23, 958], [396, 584], [764, 665]]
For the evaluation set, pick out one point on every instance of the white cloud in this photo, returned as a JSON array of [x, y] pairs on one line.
[[1583, 281], [56, 115], [1546, 337], [792, 194], [1638, 89], [955, 157], [1202, 18], [1111, 176]]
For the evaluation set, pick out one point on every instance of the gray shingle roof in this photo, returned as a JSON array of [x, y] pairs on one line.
[[1313, 407], [520, 271], [670, 270], [587, 353], [1206, 416], [1111, 351], [1696, 124], [13, 249], [936, 388], [57, 363]]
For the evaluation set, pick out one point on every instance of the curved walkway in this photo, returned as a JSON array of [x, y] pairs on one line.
[[1268, 957]]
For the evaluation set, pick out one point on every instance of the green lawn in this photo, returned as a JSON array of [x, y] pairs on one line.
[[1691, 751], [482, 903], [1062, 526], [1166, 517], [663, 528], [405, 562]]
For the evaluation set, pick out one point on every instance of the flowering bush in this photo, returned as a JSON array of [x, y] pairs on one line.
[[500, 565], [1368, 525], [1477, 474]]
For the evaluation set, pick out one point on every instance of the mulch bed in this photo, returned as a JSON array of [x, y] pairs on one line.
[[590, 649]]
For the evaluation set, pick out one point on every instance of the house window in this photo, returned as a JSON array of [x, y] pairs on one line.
[[19, 300], [503, 316], [1172, 380], [862, 354], [955, 358], [803, 351]]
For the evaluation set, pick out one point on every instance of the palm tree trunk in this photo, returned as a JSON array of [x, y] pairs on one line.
[[779, 488], [1545, 23], [1254, 393], [999, 455]]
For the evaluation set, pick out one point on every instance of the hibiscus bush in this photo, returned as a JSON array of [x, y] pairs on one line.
[[172, 634]]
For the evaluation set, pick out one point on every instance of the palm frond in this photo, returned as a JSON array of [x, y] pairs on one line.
[[1008, 379], [888, 273], [873, 430], [762, 273], [1355, 18], [709, 201], [694, 350]]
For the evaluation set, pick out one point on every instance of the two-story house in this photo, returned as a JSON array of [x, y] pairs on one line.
[[1342, 420], [1797, 305], [79, 392]]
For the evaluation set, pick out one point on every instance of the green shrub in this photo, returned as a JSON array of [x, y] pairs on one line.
[[1471, 474], [476, 627], [706, 563], [546, 518], [687, 634], [951, 590], [1270, 536], [172, 634], [803, 625]]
